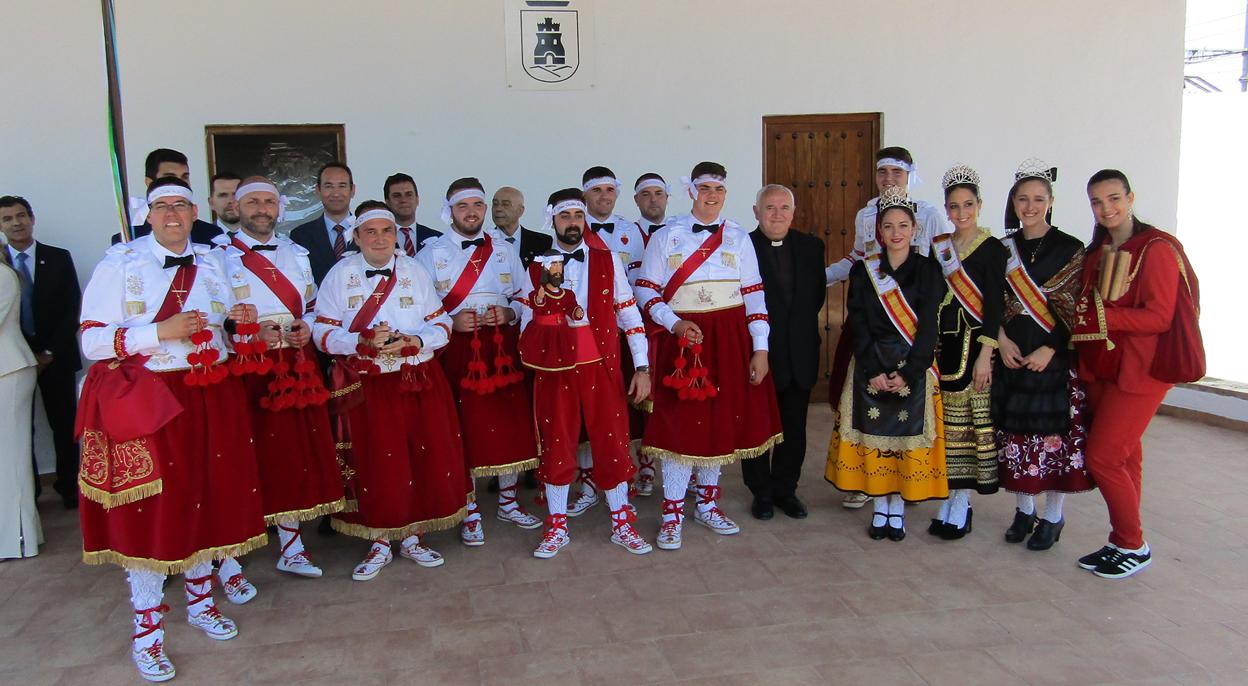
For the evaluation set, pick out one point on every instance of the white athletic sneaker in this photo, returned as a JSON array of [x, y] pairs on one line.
[[298, 564], [213, 624], [378, 556], [715, 520], [472, 533], [519, 517], [149, 655], [584, 501], [238, 589], [556, 537], [425, 557], [628, 538], [854, 501]]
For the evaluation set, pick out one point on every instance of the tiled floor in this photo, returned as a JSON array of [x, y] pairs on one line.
[[784, 602]]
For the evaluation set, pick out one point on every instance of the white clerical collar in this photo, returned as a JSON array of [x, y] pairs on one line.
[[777, 244]]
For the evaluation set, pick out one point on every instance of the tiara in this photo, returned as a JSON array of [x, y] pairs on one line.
[[960, 174], [894, 196], [1035, 168]]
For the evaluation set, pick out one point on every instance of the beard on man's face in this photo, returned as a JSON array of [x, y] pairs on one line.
[[553, 279], [570, 235]]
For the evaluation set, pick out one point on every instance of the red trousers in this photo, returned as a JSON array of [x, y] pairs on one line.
[[561, 400], [1115, 456]]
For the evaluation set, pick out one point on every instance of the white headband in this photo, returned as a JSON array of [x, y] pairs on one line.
[[456, 197], [372, 214], [139, 207], [911, 169], [562, 206], [547, 260], [692, 185], [263, 187], [652, 183], [601, 180]]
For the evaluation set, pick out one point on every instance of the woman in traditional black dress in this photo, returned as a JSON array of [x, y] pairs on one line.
[[1038, 404], [973, 263]]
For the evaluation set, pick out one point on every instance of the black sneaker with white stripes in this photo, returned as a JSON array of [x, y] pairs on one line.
[[1123, 564], [1093, 560]]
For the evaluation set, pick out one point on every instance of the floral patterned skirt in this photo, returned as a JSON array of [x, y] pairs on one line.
[[1033, 464]]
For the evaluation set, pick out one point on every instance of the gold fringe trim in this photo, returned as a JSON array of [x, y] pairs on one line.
[[130, 495], [513, 468], [307, 513], [706, 461], [170, 567], [646, 406], [371, 534], [345, 390], [350, 506]]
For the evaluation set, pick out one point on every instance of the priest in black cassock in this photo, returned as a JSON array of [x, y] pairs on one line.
[[791, 263]]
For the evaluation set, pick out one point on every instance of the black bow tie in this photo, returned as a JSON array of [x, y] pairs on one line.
[[656, 227], [370, 273], [609, 227], [578, 254], [184, 261], [709, 228], [261, 246], [476, 241]]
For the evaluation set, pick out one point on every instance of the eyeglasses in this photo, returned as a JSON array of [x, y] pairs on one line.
[[163, 207]]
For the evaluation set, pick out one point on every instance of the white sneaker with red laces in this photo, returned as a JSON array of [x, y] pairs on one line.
[[215, 625], [238, 589], [147, 647], [516, 515], [379, 555], [299, 564], [556, 537], [669, 535], [623, 534], [472, 533], [425, 557], [715, 520]]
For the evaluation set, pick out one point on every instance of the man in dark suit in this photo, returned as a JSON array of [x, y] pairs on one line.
[[791, 263], [403, 197], [329, 235], [506, 210], [49, 317], [161, 163]]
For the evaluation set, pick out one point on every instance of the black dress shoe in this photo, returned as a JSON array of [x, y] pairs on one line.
[[937, 527], [761, 508], [792, 506], [878, 533], [1021, 527], [953, 533], [897, 532], [1047, 533]]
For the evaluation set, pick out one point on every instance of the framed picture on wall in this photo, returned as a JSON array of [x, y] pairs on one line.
[[288, 154]]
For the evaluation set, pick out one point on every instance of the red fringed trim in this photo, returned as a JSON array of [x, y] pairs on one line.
[[646, 283], [90, 324], [752, 289], [119, 343]]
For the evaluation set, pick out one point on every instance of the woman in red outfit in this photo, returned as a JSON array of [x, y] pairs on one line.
[[1137, 335]]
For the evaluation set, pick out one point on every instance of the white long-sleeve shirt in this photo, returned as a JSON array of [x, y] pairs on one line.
[[625, 240], [413, 308], [627, 316], [932, 222], [727, 278], [502, 276], [290, 259], [126, 290]]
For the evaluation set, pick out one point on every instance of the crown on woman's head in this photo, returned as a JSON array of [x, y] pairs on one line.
[[1035, 168], [894, 196], [960, 174]]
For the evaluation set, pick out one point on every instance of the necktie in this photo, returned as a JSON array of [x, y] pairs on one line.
[[463, 245], [578, 254], [709, 228], [370, 273], [184, 261], [340, 245], [261, 246], [510, 239], [410, 245], [609, 227], [28, 295]]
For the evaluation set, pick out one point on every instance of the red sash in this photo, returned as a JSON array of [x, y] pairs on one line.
[[277, 281], [691, 264], [469, 277], [373, 303], [170, 306]]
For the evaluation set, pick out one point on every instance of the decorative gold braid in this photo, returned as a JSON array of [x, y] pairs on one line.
[[306, 513], [1064, 288], [170, 567], [345, 390], [701, 461]]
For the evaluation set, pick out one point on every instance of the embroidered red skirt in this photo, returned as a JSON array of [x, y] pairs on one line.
[[498, 426], [580, 404], [740, 422], [406, 466], [299, 474], [209, 506]]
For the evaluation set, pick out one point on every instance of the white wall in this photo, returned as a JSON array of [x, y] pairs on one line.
[[421, 87]]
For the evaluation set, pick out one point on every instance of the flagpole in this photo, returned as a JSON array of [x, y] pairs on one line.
[[116, 140]]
